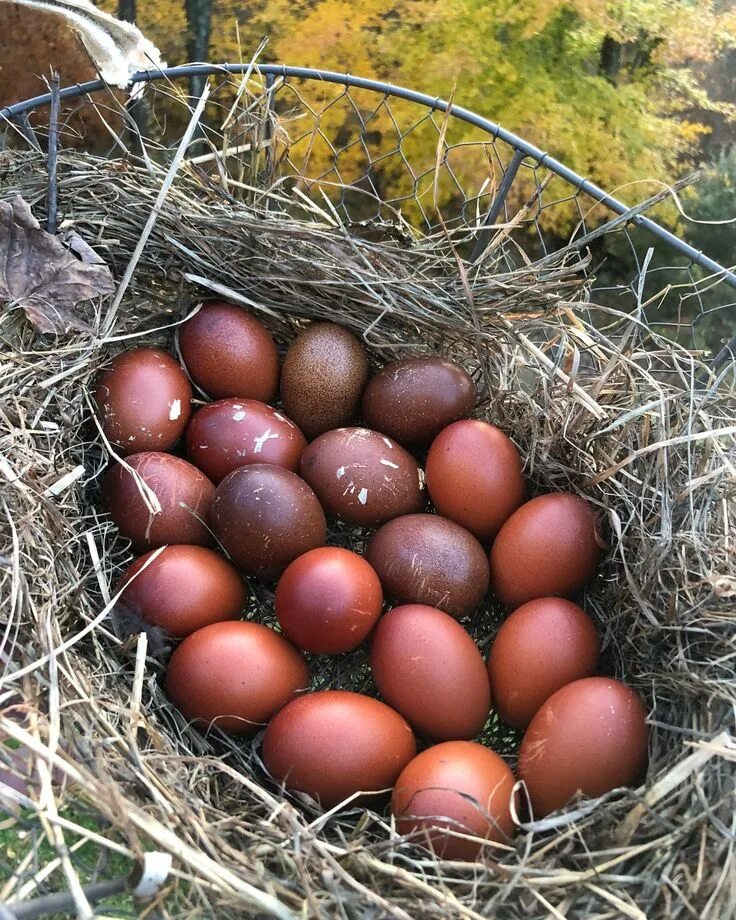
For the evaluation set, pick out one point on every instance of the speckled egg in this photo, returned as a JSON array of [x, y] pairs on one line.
[[144, 400], [363, 477], [426, 559]]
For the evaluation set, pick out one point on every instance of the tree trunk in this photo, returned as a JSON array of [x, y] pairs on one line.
[[126, 10], [199, 20]]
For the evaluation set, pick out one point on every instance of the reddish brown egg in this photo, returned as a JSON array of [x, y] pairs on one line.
[[144, 400], [264, 517], [163, 500], [542, 646], [228, 352], [328, 600], [426, 559], [474, 477], [591, 736], [451, 792], [183, 589], [333, 744], [363, 477], [234, 676], [413, 399], [324, 373], [231, 433], [548, 547], [428, 668]]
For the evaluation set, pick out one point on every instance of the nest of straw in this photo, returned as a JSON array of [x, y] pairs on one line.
[[596, 403]]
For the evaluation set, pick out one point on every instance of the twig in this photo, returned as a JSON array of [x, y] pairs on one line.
[[53, 154]]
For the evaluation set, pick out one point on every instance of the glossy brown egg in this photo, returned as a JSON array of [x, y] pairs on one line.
[[363, 477], [426, 559], [264, 517], [228, 352], [429, 669], [144, 400], [474, 477], [234, 676], [451, 789], [542, 646], [548, 547], [328, 600], [333, 744], [172, 505], [182, 589], [590, 736], [231, 433], [413, 399], [324, 373]]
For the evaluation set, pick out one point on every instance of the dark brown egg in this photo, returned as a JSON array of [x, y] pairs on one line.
[[229, 352], [183, 589], [333, 744], [542, 646], [429, 669], [474, 477], [264, 517], [328, 600], [591, 736], [413, 399], [231, 433], [144, 400], [163, 500], [453, 789], [548, 547], [363, 477], [234, 676], [426, 559], [324, 373]]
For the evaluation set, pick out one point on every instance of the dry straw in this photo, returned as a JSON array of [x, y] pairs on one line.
[[597, 404]]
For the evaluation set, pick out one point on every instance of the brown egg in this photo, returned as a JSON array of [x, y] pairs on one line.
[[144, 400], [542, 646], [234, 676], [428, 668], [474, 477], [363, 477], [591, 736], [231, 433], [548, 547], [228, 352], [333, 744], [413, 399], [264, 517], [426, 559], [183, 495], [328, 600], [452, 789], [183, 589], [324, 373]]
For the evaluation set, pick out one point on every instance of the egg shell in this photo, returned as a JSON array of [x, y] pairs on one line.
[[540, 647], [230, 433], [474, 477], [328, 600], [183, 589], [363, 477], [228, 352], [428, 668], [590, 736], [426, 559], [455, 788], [548, 547], [144, 400], [324, 373], [333, 744], [413, 399], [264, 517], [234, 676], [183, 493]]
